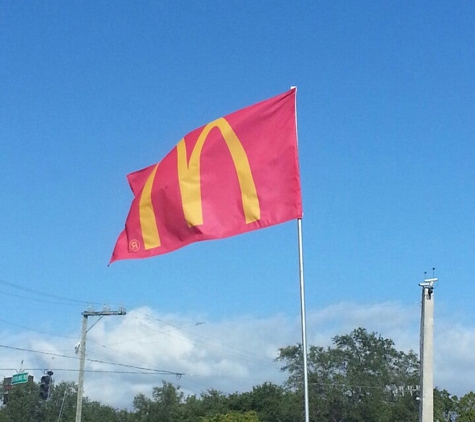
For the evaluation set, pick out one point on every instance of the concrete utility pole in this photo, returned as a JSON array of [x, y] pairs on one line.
[[426, 409], [82, 350]]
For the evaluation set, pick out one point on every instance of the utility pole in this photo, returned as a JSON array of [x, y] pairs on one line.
[[426, 409], [82, 350]]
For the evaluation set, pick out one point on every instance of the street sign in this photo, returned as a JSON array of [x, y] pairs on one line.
[[20, 378]]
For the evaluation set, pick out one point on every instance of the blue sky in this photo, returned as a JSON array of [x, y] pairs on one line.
[[91, 91]]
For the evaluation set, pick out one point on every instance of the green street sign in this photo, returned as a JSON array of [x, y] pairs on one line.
[[20, 378]]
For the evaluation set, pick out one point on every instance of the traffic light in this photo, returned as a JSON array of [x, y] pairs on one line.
[[44, 386]]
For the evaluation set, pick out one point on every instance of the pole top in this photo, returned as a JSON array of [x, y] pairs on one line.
[[428, 283]]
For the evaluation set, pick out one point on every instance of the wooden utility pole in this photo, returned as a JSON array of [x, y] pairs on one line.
[[82, 347]]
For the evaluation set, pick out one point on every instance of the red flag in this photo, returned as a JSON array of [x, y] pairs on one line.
[[236, 174]]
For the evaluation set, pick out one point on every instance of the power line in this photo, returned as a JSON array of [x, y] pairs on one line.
[[40, 293], [64, 300], [160, 371], [37, 331], [154, 372]]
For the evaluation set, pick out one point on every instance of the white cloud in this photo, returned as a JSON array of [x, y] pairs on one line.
[[454, 358], [231, 355]]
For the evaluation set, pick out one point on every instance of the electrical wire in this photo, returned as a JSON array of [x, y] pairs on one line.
[[40, 293], [151, 372], [36, 331], [161, 371]]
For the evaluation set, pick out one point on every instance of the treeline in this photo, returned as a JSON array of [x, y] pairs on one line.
[[362, 377]]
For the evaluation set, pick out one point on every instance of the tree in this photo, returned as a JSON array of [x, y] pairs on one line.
[[233, 417], [273, 403], [24, 404], [361, 378], [466, 408], [62, 399], [95, 411], [166, 405], [215, 402], [445, 406], [193, 409]]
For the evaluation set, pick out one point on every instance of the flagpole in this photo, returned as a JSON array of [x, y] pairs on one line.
[[303, 318], [302, 295]]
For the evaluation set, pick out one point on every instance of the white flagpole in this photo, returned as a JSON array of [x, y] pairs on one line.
[[302, 298], [303, 320]]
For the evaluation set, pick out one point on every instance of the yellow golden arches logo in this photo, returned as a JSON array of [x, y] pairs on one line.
[[148, 224], [189, 179]]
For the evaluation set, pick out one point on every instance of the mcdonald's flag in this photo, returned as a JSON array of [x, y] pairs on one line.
[[236, 174]]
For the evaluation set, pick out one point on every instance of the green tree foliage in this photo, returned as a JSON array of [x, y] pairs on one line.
[[214, 402], [165, 406], [272, 403], [24, 404], [62, 400], [466, 408], [445, 406], [234, 417], [362, 377]]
